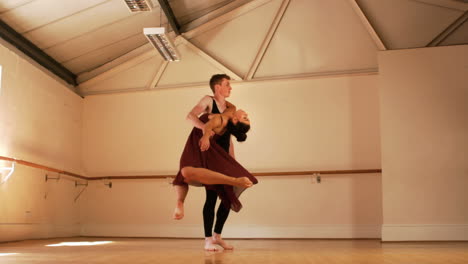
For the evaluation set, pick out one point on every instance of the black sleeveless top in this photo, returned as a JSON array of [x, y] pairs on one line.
[[225, 139]]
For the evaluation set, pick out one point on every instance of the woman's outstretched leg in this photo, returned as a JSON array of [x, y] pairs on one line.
[[205, 176], [181, 192]]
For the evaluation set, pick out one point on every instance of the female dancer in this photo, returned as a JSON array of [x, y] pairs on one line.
[[204, 162]]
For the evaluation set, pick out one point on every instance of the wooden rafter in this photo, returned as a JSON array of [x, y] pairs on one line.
[[224, 18], [158, 74], [166, 7], [210, 59], [119, 68], [135, 57], [86, 76], [451, 4], [27, 47], [378, 42], [449, 30], [267, 40]]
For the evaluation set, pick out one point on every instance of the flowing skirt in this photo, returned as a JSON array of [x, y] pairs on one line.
[[215, 159]]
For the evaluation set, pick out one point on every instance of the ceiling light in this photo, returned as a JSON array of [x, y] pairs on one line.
[[138, 5], [160, 40]]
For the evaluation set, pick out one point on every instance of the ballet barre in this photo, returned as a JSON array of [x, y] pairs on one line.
[[160, 176], [38, 166]]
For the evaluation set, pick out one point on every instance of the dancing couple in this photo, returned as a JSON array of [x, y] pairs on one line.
[[208, 160]]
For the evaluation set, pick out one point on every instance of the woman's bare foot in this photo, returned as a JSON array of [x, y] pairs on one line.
[[243, 182], [209, 244], [179, 211], [219, 241]]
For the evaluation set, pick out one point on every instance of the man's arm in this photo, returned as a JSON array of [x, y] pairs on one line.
[[201, 107]]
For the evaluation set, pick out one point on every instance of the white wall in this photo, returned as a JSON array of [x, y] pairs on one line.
[[424, 124], [40, 121], [298, 124], [307, 124], [302, 124]]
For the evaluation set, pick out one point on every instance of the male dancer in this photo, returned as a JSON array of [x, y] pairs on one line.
[[221, 87]]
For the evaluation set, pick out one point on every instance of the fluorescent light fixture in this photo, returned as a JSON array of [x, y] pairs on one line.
[[138, 5], [160, 40]]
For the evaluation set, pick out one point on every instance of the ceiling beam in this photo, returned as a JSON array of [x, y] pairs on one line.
[[219, 20], [85, 76], [284, 78], [267, 40], [166, 7], [209, 59], [219, 11], [158, 74], [449, 30], [84, 86], [461, 5], [27, 47], [375, 37]]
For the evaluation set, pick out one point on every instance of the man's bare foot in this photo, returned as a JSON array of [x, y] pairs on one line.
[[179, 211], [219, 241], [209, 244], [243, 182]]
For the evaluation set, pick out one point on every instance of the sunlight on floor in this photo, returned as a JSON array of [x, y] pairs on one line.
[[82, 243], [7, 254]]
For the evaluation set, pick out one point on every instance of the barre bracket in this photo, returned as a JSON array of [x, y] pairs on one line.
[[47, 177]]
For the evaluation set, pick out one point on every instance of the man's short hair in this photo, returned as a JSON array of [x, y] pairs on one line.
[[217, 79]]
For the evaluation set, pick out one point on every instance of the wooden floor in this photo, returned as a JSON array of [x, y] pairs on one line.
[[190, 251]]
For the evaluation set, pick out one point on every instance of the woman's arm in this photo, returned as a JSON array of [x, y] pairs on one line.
[[210, 128]]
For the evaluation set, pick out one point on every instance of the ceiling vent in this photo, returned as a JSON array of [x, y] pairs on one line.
[[138, 5]]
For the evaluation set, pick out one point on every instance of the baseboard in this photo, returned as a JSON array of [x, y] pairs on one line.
[[388, 232], [424, 232], [23, 231], [235, 231]]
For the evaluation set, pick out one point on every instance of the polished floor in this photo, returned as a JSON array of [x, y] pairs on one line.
[[190, 251]]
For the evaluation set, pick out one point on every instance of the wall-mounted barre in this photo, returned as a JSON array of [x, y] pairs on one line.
[[38, 166], [140, 177]]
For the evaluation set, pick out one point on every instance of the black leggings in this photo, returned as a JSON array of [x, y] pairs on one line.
[[208, 214]]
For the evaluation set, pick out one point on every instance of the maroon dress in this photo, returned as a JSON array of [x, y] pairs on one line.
[[215, 159]]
